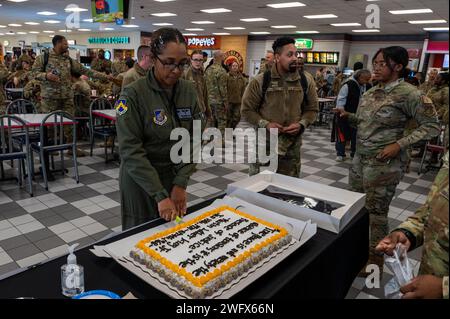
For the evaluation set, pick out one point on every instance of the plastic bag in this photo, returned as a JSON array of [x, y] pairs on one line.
[[402, 269]]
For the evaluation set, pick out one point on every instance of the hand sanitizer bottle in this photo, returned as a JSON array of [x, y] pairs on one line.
[[72, 275]]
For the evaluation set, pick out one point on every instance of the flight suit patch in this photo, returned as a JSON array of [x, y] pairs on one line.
[[121, 107], [184, 114], [160, 117]]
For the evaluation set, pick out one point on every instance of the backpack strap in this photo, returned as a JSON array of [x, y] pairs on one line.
[[46, 56], [265, 86]]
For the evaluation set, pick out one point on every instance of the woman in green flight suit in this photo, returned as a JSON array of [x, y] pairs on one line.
[[151, 184]]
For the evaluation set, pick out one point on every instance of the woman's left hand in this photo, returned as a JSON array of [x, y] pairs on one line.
[[390, 151], [178, 196]]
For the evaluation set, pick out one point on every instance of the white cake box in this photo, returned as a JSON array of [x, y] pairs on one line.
[[249, 188]]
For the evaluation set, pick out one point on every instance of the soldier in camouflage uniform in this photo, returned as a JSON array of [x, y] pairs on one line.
[[100, 64], [267, 62], [282, 107], [428, 227], [55, 77], [4, 73], [195, 75], [23, 74], [380, 159], [216, 82], [429, 83], [118, 66], [236, 84], [439, 95], [32, 92]]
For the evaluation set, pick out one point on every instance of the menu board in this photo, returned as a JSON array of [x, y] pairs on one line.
[[312, 57]]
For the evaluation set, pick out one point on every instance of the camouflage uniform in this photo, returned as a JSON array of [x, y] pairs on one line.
[[197, 78], [283, 104], [59, 96], [426, 86], [216, 82], [22, 76], [32, 92], [236, 84], [381, 119], [4, 73], [82, 88], [429, 226], [118, 67], [101, 65], [133, 75], [439, 96]]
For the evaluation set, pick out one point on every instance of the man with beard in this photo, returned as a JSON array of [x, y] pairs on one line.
[[101, 64], [274, 99]]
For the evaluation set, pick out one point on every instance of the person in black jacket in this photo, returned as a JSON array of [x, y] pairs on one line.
[[348, 99]]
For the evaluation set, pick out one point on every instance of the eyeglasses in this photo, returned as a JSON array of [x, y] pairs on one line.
[[197, 60], [172, 66], [380, 65]]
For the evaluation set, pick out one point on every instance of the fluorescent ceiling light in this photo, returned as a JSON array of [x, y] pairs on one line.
[[65, 31], [162, 24], [286, 5], [34, 32], [17, 0], [88, 20], [2, 26], [74, 8], [427, 21], [21, 33], [46, 13], [189, 34], [164, 14], [350, 24], [164, 0], [32, 23], [108, 29], [283, 26], [14, 25], [49, 31], [130, 26], [218, 10], [306, 32], [321, 16], [234, 28], [202, 22], [52, 21], [221, 33], [414, 11], [133, 18], [260, 32], [254, 19], [0, 32], [366, 31], [84, 30], [195, 29], [436, 29]]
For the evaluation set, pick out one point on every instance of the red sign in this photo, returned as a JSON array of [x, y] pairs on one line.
[[203, 43], [437, 46], [234, 56]]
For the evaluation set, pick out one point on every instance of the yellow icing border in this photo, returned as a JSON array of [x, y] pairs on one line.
[[201, 281]]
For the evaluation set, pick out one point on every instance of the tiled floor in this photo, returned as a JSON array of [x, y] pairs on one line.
[[35, 229]]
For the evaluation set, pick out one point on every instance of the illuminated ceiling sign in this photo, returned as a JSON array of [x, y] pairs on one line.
[[203, 43], [304, 44], [109, 40]]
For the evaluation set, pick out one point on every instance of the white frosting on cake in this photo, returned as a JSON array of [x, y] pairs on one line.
[[210, 251]]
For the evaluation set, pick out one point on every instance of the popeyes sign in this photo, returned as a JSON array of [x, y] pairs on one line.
[[203, 43]]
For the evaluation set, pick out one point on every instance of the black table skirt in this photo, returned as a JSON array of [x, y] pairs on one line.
[[323, 268]]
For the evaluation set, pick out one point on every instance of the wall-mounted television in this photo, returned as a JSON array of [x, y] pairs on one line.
[[110, 10]]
